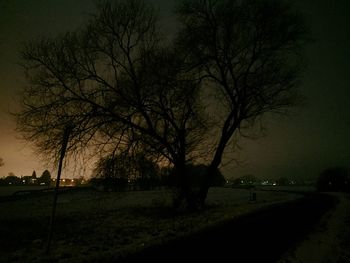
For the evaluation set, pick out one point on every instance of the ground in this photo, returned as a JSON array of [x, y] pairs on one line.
[[329, 241], [93, 226], [98, 226]]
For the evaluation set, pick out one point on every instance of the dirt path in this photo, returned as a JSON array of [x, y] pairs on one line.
[[259, 237]]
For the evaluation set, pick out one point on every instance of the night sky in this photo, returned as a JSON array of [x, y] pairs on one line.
[[314, 138]]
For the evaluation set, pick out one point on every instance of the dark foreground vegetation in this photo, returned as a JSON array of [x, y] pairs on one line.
[[96, 226], [262, 236]]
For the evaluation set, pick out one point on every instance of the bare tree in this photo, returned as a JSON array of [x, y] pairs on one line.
[[117, 84], [123, 168], [247, 53], [122, 88], [114, 166]]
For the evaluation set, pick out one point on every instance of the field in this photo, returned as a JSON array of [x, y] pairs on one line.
[[93, 225], [9, 190]]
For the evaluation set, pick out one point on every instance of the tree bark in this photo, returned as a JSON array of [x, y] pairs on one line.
[[203, 191], [185, 195]]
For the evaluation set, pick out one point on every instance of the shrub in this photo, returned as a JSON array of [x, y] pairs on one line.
[[333, 179]]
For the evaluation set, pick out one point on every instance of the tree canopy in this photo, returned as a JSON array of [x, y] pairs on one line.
[[248, 55], [123, 88]]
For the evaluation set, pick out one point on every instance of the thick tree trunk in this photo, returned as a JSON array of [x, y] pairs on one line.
[[203, 191], [184, 192], [185, 197], [204, 188]]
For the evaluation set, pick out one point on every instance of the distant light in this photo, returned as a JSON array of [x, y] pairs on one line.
[[274, 184], [23, 181], [72, 180], [63, 180]]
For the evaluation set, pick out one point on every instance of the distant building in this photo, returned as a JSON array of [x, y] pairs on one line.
[[29, 180], [68, 182]]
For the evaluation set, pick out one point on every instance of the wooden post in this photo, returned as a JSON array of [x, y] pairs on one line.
[[65, 139]]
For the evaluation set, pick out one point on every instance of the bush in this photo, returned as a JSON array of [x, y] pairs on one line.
[[110, 184], [197, 174], [333, 180]]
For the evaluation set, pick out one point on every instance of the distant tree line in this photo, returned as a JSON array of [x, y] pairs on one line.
[[282, 181], [125, 172], [334, 179], [12, 179]]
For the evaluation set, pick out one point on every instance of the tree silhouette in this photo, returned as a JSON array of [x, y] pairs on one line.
[[123, 168], [118, 84], [334, 179], [1, 162], [248, 55], [125, 89], [45, 178]]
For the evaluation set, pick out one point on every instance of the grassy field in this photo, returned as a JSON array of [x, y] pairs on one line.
[[9, 190], [93, 225]]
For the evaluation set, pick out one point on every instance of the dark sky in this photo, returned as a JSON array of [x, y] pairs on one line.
[[318, 136], [314, 138]]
